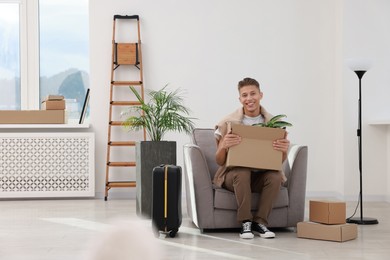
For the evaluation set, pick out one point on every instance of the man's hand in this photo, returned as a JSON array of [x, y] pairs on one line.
[[230, 140], [282, 145], [224, 144]]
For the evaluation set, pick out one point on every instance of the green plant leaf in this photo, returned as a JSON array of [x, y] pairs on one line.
[[280, 124], [162, 113], [276, 118], [275, 122]]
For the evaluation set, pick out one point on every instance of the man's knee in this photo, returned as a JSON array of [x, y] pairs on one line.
[[239, 176], [273, 178], [242, 174]]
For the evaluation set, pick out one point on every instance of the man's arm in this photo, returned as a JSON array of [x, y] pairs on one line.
[[223, 145]]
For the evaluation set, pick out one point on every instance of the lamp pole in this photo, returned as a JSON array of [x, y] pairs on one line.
[[362, 220]]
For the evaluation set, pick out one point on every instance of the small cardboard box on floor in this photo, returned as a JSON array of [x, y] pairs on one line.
[[327, 221], [327, 212], [256, 150], [339, 233]]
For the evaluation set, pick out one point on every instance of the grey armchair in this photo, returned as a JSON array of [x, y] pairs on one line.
[[210, 207]]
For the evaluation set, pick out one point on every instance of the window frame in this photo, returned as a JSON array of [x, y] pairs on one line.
[[28, 52]]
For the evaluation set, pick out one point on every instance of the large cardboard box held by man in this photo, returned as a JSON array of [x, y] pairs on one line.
[[339, 233], [256, 150], [327, 212]]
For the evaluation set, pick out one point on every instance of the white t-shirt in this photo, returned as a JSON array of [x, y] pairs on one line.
[[247, 120]]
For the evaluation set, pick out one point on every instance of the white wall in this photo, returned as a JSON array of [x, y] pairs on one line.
[[367, 35], [295, 50]]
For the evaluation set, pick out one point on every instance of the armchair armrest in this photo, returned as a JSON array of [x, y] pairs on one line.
[[297, 183], [199, 191]]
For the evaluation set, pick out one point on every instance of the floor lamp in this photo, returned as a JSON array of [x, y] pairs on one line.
[[360, 220]]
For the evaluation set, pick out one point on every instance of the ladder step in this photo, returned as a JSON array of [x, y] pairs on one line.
[[125, 103], [121, 164], [126, 83], [116, 123], [122, 143], [121, 184]]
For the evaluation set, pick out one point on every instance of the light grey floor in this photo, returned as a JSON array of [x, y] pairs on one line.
[[94, 229]]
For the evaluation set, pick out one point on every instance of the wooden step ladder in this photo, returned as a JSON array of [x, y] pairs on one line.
[[126, 63]]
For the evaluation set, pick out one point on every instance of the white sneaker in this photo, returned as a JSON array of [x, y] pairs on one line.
[[246, 230], [262, 230]]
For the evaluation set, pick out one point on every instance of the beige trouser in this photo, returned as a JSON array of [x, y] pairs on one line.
[[242, 181]]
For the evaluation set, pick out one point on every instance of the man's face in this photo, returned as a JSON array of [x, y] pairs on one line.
[[250, 97]]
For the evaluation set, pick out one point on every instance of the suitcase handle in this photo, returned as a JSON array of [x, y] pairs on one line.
[[164, 164], [117, 16]]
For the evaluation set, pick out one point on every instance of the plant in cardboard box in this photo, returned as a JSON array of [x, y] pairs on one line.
[[163, 112], [275, 122]]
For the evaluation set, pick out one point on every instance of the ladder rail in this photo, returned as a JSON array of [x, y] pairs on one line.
[[108, 155], [116, 61], [141, 67]]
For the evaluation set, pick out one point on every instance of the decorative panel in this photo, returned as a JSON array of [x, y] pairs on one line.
[[46, 165]]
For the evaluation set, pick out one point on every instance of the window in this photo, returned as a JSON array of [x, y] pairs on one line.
[[64, 62], [9, 56], [45, 52]]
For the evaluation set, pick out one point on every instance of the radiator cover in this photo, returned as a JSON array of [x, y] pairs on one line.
[[46, 165]]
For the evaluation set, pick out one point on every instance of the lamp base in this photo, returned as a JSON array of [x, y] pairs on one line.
[[363, 221]]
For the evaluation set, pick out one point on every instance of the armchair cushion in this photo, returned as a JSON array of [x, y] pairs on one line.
[[224, 199]]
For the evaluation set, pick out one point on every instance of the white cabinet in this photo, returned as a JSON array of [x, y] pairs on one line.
[[47, 165]]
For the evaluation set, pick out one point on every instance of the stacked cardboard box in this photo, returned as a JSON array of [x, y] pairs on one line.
[[53, 102], [327, 221], [32, 117], [53, 112]]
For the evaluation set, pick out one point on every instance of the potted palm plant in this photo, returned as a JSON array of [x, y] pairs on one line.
[[163, 112]]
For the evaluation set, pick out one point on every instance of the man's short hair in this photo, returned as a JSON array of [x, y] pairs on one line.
[[248, 82]]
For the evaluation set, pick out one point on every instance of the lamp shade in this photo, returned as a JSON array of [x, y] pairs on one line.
[[359, 64]]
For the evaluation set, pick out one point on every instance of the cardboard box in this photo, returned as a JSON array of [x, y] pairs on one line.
[[340, 233], [53, 105], [32, 117], [54, 97], [255, 149], [327, 212]]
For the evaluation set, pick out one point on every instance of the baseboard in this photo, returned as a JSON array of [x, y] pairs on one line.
[[324, 195], [339, 196], [117, 194]]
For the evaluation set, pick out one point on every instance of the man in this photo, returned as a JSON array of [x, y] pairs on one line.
[[243, 181]]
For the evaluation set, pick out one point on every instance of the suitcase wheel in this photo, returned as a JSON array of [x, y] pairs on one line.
[[173, 232]]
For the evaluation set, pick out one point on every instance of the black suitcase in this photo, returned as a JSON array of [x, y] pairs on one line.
[[166, 203]]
